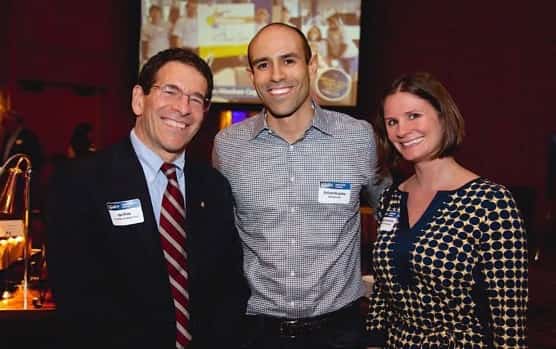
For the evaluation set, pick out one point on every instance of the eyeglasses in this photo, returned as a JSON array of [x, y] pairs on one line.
[[174, 94]]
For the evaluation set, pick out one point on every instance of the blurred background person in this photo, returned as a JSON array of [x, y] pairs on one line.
[[341, 53], [185, 33], [15, 139], [285, 16], [154, 34], [334, 21], [262, 18], [173, 16], [81, 143], [317, 44]]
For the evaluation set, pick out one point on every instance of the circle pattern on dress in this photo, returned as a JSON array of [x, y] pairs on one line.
[[469, 259]]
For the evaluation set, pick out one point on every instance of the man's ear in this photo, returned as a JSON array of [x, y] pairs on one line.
[[250, 71], [137, 100], [313, 66]]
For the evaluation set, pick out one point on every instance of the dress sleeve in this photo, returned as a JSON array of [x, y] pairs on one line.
[[378, 314], [383, 202], [376, 183], [503, 251]]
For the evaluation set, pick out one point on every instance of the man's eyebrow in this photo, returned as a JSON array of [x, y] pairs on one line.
[[290, 55], [259, 60], [285, 55]]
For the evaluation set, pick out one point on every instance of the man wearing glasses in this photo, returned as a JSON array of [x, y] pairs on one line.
[[131, 266]]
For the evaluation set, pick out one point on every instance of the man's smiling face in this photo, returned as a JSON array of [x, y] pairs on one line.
[[279, 71], [167, 118]]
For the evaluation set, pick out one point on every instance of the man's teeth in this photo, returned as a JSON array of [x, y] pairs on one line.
[[279, 91], [412, 142], [174, 123]]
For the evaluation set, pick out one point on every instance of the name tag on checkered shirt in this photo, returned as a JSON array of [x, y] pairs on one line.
[[334, 193]]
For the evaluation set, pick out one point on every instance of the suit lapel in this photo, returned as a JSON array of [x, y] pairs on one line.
[[192, 182], [130, 183], [140, 243]]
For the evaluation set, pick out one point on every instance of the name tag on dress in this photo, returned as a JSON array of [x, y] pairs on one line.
[[125, 212], [334, 193], [389, 221]]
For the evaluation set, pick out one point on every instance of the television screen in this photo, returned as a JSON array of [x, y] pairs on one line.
[[220, 30]]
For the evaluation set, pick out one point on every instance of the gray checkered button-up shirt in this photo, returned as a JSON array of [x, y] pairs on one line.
[[297, 210]]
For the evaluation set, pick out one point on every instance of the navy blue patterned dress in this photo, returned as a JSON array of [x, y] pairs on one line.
[[457, 278]]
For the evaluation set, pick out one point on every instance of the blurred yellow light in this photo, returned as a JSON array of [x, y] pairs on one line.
[[225, 118]]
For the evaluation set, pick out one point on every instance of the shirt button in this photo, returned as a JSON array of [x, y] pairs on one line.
[[292, 210], [291, 147], [293, 241], [292, 304], [292, 273], [292, 178]]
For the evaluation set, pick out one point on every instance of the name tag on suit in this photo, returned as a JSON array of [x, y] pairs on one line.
[[126, 212]]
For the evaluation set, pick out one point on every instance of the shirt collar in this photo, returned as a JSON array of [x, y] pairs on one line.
[[150, 160], [320, 121]]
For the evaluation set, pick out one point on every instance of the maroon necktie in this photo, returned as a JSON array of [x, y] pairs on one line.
[[172, 236]]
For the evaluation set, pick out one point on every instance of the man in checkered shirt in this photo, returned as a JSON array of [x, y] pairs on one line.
[[296, 173]]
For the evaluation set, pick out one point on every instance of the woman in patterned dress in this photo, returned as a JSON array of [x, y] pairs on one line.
[[450, 258]]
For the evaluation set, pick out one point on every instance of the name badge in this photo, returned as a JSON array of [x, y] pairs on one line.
[[389, 221], [125, 212], [334, 193]]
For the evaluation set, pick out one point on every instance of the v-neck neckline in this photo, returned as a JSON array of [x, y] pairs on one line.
[[438, 199], [434, 205]]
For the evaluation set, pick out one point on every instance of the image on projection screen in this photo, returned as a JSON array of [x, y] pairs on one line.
[[219, 31]]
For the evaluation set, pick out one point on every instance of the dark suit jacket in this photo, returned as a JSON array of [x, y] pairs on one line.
[[110, 282]]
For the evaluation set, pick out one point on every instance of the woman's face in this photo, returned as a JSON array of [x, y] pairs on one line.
[[413, 126]]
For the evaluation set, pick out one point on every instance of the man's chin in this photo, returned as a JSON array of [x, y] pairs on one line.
[[281, 113]]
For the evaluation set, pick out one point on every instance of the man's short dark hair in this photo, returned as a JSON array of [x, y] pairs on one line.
[[147, 76]]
